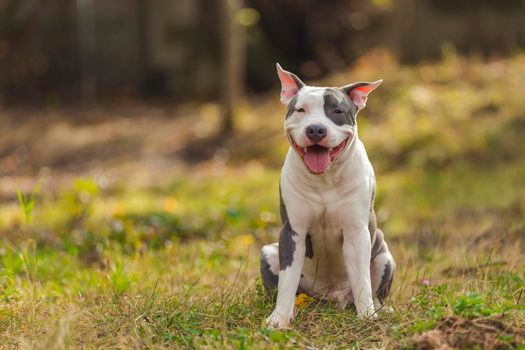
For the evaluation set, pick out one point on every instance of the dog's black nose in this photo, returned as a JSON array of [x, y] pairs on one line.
[[316, 132]]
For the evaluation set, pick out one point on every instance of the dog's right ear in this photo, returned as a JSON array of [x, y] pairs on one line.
[[290, 84]]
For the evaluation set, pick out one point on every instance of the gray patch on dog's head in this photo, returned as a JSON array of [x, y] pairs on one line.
[[293, 101], [338, 107], [309, 249], [269, 279], [286, 246], [291, 106]]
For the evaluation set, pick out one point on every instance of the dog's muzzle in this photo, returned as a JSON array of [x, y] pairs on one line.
[[318, 158]]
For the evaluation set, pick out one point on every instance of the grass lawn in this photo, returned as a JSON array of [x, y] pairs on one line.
[[175, 264]]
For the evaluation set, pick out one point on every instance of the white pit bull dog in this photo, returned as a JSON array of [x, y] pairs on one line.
[[329, 246]]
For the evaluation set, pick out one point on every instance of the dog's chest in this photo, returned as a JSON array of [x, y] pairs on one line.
[[327, 238], [325, 264]]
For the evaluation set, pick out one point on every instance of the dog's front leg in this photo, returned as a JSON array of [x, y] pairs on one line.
[[291, 259], [357, 253]]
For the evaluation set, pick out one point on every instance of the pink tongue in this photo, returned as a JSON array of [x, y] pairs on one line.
[[317, 159]]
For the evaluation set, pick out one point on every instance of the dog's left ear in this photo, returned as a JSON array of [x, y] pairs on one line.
[[358, 92], [290, 84]]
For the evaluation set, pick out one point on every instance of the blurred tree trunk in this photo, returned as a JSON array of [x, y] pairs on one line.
[[408, 30], [19, 30], [86, 44], [232, 62], [143, 18]]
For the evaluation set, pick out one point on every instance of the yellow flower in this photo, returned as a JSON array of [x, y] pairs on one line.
[[119, 209], [303, 300], [245, 240], [170, 205]]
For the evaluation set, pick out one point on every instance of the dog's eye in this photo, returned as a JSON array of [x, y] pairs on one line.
[[300, 110], [338, 111]]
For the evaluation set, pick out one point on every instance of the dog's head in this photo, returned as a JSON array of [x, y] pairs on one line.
[[321, 121]]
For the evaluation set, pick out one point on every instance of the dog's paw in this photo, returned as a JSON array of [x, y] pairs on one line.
[[277, 321], [367, 313], [382, 309]]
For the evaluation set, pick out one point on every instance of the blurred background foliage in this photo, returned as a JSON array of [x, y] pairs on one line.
[[68, 50]]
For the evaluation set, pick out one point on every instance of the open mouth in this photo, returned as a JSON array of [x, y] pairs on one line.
[[318, 158]]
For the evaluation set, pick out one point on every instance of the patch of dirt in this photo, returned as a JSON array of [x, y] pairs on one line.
[[136, 144], [237, 149], [482, 333]]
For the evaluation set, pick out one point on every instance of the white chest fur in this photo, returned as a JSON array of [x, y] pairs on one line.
[[322, 206]]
